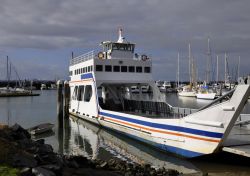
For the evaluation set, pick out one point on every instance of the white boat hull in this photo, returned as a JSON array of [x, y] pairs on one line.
[[187, 94], [206, 96]]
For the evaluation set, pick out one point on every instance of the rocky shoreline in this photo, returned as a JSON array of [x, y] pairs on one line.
[[35, 158]]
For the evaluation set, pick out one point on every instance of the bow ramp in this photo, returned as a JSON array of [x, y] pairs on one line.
[[221, 117]]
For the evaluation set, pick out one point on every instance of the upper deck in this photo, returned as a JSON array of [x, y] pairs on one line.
[[116, 62]]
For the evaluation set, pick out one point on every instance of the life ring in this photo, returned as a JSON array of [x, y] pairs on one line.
[[144, 57], [100, 55]]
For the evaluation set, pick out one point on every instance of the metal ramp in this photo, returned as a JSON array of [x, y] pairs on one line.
[[238, 141]]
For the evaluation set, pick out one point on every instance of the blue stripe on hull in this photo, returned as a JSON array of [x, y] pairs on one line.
[[166, 127], [167, 148]]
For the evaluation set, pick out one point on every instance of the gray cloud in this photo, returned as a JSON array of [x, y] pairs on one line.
[[161, 28]]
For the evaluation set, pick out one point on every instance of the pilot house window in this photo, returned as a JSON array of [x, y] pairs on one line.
[[131, 69], [146, 69], [139, 69], [116, 68], [108, 68], [124, 68], [98, 67]]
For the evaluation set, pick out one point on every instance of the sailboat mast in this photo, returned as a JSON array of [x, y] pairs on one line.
[[225, 68], [189, 62], [178, 70], [8, 77], [208, 74], [238, 69], [217, 68]]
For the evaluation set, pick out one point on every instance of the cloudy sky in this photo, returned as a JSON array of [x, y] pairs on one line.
[[39, 35]]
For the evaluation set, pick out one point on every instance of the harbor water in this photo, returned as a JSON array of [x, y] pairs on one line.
[[78, 137]]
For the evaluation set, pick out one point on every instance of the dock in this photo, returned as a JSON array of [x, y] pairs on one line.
[[18, 94], [238, 141]]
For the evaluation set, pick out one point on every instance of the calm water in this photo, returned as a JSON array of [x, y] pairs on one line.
[[82, 138]]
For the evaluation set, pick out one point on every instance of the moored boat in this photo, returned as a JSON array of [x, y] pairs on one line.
[[41, 128], [151, 121]]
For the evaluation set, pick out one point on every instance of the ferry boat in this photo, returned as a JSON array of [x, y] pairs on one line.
[[97, 85]]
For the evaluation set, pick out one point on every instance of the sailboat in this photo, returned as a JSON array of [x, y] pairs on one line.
[[8, 91], [204, 92], [189, 90]]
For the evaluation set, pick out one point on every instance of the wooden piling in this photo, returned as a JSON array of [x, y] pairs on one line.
[[66, 98], [59, 99]]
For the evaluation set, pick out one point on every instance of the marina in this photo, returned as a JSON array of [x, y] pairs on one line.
[[81, 137], [124, 88]]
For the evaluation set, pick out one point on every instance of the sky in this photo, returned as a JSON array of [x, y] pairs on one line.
[[39, 35]]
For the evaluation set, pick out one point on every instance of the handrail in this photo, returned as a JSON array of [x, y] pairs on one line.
[[218, 99], [82, 58]]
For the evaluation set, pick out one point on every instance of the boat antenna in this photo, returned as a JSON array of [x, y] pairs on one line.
[[120, 38]]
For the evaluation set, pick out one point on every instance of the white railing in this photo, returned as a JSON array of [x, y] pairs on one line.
[[182, 112], [82, 58]]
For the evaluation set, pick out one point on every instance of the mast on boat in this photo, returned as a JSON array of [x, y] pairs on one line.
[[217, 69], [189, 63], [238, 69], [178, 70], [209, 58]]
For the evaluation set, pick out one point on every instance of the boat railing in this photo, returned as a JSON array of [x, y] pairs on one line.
[[182, 112], [82, 58]]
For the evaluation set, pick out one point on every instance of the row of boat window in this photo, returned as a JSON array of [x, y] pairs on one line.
[[110, 68], [118, 68], [82, 93], [82, 70]]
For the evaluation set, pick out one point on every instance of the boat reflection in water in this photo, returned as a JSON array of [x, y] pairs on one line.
[[94, 142], [78, 137]]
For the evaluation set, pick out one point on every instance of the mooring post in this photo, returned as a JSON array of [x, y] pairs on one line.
[[66, 98], [59, 99]]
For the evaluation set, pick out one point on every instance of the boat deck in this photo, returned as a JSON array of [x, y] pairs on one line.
[[238, 142]]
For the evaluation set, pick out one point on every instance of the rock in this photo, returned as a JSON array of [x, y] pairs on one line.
[[104, 165], [19, 132], [25, 172], [40, 141], [73, 164], [45, 148], [24, 160], [53, 167], [38, 171]]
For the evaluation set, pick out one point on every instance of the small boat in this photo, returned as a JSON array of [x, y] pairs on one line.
[[205, 93], [187, 91], [42, 128]]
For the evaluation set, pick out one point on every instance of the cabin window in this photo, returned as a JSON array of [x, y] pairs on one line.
[[91, 68], [116, 68], [74, 95], [124, 68], [84, 69], [131, 69], [88, 68], [80, 93], [88, 93], [138, 69], [98, 68], [147, 70], [108, 68]]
